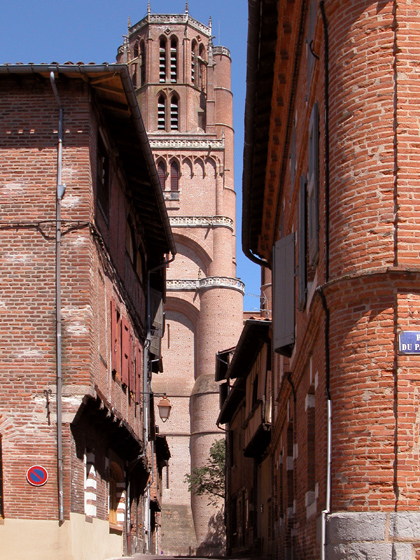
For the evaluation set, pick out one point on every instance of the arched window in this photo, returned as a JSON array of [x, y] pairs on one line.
[[174, 176], [162, 60], [162, 174], [193, 62], [174, 113], [136, 50], [174, 60], [142, 63], [202, 68], [161, 110]]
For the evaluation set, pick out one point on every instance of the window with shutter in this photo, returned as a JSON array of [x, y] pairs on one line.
[[174, 60], [302, 245], [174, 113], [161, 112], [193, 62], [313, 187], [162, 60], [284, 295]]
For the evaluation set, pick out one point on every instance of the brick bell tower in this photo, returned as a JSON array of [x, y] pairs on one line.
[[183, 85]]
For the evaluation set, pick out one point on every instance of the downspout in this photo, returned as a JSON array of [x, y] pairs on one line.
[[59, 380], [327, 509], [146, 405]]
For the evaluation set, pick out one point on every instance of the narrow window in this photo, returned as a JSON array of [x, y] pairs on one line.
[[102, 178], [174, 176], [125, 346], [162, 61], [167, 477], [174, 61], [161, 112], [310, 38], [284, 295], [293, 159], [142, 63], [129, 241], [115, 340], [136, 50], [174, 113], [302, 245], [193, 62], [202, 68], [310, 411], [313, 187], [289, 468], [162, 174]]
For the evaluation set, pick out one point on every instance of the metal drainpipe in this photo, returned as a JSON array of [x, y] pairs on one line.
[[146, 404], [59, 380], [327, 509]]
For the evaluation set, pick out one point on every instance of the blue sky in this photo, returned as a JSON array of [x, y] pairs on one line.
[[92, 30]]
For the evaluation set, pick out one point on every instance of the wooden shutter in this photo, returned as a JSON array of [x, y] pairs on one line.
[[115, 339], [284, 295], [131, 364], [139, 369], [313, 186], [125, 352], [302, 245]]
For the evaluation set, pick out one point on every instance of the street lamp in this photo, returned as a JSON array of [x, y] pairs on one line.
[[164, 407]]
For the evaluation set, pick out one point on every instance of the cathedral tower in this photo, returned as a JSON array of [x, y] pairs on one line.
[[184, 91]]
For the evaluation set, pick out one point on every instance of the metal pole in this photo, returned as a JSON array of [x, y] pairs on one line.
[[59, 380]]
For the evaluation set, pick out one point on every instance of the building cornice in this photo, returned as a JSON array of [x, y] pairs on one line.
[[171, 19], [202, 284], [183, 143], [201, 222]]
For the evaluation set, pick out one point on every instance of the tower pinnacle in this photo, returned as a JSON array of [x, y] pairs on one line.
[[186, 7], [148, 8]]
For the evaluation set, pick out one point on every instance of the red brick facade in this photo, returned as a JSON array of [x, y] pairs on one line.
[[183, 86], [107, 247], [330, 186]]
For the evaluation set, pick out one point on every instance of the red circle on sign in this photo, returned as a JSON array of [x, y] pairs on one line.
[[37, 475]]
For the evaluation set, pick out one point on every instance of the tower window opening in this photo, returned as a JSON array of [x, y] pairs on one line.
[[193, 62], [162, 174], [202, 68], [174, 176], [143, 64], [174, 113], [162, 60], [136, 50], [174, 61], [161, 112]]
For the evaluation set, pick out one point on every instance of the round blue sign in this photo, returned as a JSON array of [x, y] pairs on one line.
[[37, 475]]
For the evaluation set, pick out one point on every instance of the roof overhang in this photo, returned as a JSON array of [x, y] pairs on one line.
[[261, 53]]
